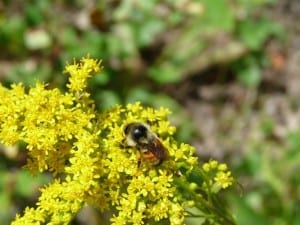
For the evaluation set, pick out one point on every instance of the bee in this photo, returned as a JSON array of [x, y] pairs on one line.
[[149, 146]]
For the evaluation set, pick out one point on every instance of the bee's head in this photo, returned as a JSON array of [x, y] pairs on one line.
[[137, 132]]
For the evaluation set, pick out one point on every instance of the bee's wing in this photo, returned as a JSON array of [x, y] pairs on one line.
[[156, 147]]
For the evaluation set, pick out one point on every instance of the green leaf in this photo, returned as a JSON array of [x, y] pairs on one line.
[[4, 201], [33, 14], [28, 74], [244, 214], [293, 146], [27, 185], [100, 79], [267, 126], [165, 73], [107, 99], [249, 72], [254, 33], [148, 30], [253, 160], [217, 15], [139, 94], [11, 35]]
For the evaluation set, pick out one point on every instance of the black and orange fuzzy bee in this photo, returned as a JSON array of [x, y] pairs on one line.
[[150, 147]]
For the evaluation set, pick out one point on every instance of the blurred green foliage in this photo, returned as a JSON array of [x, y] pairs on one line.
[[17, 189], [148, 47], [269, 171], [163, 40]]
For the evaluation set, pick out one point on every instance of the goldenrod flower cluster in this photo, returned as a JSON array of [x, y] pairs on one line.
[[219, 176], [150, 193], [86, 153]]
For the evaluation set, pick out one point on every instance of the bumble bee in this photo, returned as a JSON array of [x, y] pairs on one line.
[[149, 146]]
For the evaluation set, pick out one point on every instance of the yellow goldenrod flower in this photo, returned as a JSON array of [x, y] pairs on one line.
[[223, 179], [66, 136], [80, 72], [218, 174]]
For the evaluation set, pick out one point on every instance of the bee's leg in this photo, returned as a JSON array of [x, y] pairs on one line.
[[139, 163], [139, 156], [124, 145]]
